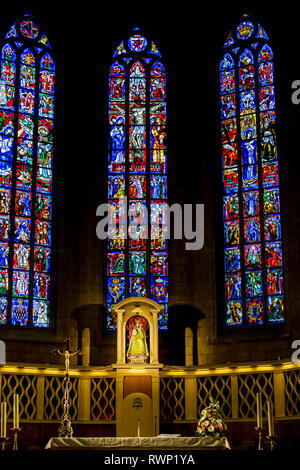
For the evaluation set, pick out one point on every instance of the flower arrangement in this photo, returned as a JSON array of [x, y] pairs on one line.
[[211, 423]]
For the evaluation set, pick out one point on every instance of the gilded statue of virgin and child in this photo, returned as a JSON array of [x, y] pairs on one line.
[[137, 349]]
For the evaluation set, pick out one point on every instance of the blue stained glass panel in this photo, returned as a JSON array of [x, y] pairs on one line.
[[275, 309], [4, 228], [137, 263], [40, 313], [137, 286], [47, 62], [233, 286], [8, 72], [157, 70], [41, 286], [234, 312], [252, 230], [3, 310], [272, 228], [42, 259], [22, 230], [232, 259], [253, 256], [245, 30], [4, 251], [273, 253], [20, 308], [227, 81], [253, 281], [158, 187], [115, 263], [254, 311], [228, 108], [8, 52], [137, 43], [227, 62], [232, 232], [274, 281], [159, 289], [20, 283]]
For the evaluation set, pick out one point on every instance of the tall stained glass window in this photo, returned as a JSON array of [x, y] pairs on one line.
[[26, 157], [253, 277], [137, 256]]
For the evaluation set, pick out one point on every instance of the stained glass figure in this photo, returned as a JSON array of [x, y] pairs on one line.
[[253, 276]]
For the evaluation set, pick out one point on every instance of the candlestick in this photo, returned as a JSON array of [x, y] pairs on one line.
[[260, 439], [259, 410], [16, 411], [15, 431], [270, 418], [3, 420], [3, 442], [272, 440]]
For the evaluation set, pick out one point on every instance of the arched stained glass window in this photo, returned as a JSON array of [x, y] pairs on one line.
[[26, 159], [251, 207], [137, 257]]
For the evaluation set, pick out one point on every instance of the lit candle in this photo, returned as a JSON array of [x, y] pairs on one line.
[[259, 410], [3, 420], [270, 419], [16, 411]]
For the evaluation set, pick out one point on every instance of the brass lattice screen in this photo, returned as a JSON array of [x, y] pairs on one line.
[[172, 406], [26, 387], [103, 397], [292, 392], [219, 388], [248, 386], [93, 398], [54, 394]]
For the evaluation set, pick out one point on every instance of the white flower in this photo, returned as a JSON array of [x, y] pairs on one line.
[[206, 423], [210, 428]]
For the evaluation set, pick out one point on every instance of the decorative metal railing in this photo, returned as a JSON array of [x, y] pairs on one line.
[[292, 392], [103, 397], [172, 398], [184, 392], [91, 394], [217, 387], [26, 387], [54, 395], [248, 386]]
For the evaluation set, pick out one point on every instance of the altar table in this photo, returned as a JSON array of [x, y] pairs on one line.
[[124, 443]]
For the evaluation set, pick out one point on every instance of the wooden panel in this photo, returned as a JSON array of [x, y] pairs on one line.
[[137, 385]]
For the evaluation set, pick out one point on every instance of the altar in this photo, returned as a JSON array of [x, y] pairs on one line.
[[137, 391], [138, 443]]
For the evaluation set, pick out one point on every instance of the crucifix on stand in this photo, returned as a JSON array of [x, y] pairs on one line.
[[65, 429]]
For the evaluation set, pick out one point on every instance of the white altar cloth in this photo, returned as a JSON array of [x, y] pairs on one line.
[[120, 443]]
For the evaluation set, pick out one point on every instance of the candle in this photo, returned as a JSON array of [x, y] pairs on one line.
[[3, 420], [16, 411], [139, 427], [270, 419], [259, 410]]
